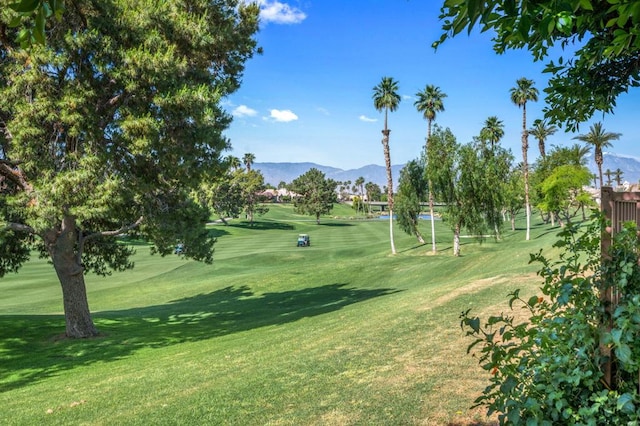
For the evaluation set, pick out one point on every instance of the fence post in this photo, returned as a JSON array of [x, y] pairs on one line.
[[618, 208]]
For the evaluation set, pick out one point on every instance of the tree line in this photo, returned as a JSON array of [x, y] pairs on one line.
[[478, 181]]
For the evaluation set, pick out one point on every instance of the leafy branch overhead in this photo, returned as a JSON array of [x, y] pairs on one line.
[[603, 34], [32, 16]]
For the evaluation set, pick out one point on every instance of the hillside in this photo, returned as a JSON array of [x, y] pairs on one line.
[[274, 173]]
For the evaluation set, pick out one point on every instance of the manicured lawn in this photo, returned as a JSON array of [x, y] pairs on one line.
[[337, 333]]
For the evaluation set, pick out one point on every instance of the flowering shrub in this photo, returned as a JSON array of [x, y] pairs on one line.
[[548, 369]]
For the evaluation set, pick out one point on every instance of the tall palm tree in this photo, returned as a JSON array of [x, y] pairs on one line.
[[359, 183], [598, 138], [430, 103], [579, 154], [608, 174], [386, 98], [233, 162], [541, 131], [248, 160], [618, 176], [492, 131], [520, 95]]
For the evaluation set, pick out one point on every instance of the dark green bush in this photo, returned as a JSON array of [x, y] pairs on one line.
[[548, 368]]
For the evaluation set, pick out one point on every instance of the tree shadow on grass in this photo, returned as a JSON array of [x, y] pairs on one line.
[[335, 224], [31, 351], [263, 225]]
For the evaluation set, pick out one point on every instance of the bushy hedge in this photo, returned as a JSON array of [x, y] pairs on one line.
[[548, 368]]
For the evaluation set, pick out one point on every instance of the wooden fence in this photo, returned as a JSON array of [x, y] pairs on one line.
[[618, 208]]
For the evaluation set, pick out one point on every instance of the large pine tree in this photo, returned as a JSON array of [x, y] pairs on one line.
[[107, 127]]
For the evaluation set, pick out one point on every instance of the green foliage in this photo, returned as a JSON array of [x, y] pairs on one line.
[[110, 127], [30, 16], [603, 65], [562, 190], [513, 194], [117, 118], [317, 193], [547, 369], [385, 95], [357, 203], [470, 180], [412, 190], [373, 191]]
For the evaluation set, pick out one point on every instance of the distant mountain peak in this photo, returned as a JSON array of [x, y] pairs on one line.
[[274, 173]]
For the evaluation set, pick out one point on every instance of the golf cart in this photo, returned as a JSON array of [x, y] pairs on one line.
[[303, 240]]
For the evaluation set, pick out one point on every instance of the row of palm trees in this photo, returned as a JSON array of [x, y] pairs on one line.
[[430, 102]]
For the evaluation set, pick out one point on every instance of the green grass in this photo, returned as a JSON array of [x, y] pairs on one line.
[[334, 334]]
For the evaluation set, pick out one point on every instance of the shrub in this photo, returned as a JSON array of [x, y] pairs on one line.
[[548, 368]]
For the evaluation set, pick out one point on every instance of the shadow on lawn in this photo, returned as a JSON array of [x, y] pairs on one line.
[[263, 225], [30, 353]]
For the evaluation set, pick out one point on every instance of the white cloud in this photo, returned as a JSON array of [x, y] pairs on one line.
[[280, 13], [244, 111], [367, 119], [283, 116], [323, 111]]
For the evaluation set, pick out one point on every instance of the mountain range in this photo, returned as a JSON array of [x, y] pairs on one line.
[[274, 173]]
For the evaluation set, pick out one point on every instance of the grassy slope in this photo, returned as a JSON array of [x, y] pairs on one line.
[[337, 333]]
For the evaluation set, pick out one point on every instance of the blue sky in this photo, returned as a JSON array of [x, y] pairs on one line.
[[308, 98]]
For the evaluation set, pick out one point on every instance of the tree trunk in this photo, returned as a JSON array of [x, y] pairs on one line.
[[393, 245], [419, 235], [387, 161], [599, 160], [513, 221], [456, 240], [433, 222], [525, 169], [61, 245]]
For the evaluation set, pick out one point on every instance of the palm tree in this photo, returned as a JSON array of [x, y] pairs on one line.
[[248, 160], [492, 131], [520, 95], [618, 176], [429, 103], [608, 174], [542, 131], [599, 139], [579, 153], [233, 162], [386, 98], [359, 184]]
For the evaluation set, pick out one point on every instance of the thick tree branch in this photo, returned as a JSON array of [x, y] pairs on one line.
[[18, 227], [123, 229], [8, 170]]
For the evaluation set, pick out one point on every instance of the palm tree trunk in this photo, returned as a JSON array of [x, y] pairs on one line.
[[525, 167], [434, 249], [387, 162], [598, 158]]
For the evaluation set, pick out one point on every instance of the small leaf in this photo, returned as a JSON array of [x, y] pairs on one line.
[[586, 4], [625, 403], [623, 352], [25, 6]]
